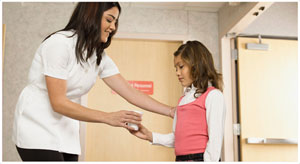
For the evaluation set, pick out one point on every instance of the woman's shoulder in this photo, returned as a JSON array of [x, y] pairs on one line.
[[62, 37], [67, 34], [105, 57]]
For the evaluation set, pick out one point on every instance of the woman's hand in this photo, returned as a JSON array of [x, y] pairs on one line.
[[122, 118], [142, 133]]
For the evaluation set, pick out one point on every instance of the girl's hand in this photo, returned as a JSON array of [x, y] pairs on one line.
[[172, 112], [122, 118], [142, 133]]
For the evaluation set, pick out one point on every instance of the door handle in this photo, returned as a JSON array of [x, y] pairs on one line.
[[253, 140]]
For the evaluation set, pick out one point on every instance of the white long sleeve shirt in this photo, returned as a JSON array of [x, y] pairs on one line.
[[215, 116]]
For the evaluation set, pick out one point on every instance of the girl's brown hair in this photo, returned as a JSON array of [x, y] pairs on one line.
[[201, 65]]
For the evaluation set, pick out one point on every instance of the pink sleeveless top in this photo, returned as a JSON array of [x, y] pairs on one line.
[[191, 134]]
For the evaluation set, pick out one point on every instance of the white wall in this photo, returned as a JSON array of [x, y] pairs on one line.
[[281, 19], [195, 25], [27, 24]]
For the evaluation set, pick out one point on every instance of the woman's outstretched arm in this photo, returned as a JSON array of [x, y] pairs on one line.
[[137, 98]]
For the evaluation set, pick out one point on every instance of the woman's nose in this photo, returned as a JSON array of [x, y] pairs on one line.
[[113, 26]]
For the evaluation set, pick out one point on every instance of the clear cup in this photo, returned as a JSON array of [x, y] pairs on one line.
[[135, 126]]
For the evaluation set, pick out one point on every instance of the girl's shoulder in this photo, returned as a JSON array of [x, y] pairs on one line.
[[212, 91], [215, 90], [215, 94]]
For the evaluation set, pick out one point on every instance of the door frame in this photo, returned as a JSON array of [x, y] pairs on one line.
[[237, 26], [124, 35]]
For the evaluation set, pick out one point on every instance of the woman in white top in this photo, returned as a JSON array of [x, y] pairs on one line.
[[65, 67]]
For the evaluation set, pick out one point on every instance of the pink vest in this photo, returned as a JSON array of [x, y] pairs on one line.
[[191, 134]]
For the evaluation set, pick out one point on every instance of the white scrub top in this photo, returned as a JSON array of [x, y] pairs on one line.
[[36, 125]]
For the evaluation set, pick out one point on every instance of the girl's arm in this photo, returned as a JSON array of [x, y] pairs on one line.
[[155, 138], [215, 116], [137, 98], [167, 140], [61, 104]]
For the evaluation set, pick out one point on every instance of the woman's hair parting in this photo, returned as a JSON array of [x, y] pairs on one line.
[[86, 22], [201, 64]]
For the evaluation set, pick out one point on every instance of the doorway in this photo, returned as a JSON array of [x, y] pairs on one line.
[[137, 60], [267, 87]]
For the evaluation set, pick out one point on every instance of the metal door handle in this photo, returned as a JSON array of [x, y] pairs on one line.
[[271, 141]]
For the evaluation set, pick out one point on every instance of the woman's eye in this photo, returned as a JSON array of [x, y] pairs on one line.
[[181, 66], [108, 20]]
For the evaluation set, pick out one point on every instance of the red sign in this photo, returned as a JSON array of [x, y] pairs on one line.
[[143, 86]]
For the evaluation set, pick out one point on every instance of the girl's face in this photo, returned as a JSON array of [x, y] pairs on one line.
[[183, 71], [108, 23]]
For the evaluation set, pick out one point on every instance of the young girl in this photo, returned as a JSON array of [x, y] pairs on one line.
[[198, 124]]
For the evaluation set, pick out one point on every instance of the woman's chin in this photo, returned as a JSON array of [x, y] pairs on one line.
[[104, 40]]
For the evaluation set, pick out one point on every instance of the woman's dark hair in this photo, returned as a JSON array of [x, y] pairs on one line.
[[201, 65], [86, 22]]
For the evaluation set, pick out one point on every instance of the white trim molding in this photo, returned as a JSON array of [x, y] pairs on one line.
[[151, 36]]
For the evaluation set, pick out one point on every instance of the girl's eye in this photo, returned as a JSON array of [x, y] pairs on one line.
[[108, 20], [181, 66]]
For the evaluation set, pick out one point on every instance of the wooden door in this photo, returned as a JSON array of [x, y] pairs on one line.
[[137, 60], [268, 87]]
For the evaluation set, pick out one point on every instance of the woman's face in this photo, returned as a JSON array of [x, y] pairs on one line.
[[108, 23], [183, 71]]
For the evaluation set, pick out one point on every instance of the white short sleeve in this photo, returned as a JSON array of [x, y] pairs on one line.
[[107, 67], [55, 55]]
